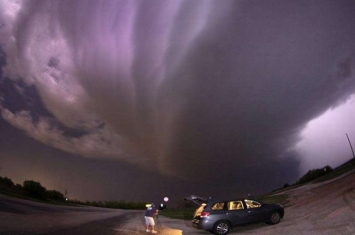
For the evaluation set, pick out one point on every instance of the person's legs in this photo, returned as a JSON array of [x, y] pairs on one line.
[[153, 225], [150, 223], [147, 223]]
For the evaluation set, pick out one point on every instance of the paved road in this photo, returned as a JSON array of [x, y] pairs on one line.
[[97, 227], [22, 217]]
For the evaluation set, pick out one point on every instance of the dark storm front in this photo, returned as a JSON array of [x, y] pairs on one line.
[[163, 97]]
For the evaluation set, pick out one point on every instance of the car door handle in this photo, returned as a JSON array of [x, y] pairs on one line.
[[250, 211]]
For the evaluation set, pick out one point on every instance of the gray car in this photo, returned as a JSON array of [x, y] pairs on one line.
[[220, 216]]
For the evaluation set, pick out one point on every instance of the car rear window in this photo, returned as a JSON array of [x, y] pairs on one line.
[[218, 206]]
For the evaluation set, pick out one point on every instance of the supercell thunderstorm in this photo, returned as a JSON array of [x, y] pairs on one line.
[[183, 87]]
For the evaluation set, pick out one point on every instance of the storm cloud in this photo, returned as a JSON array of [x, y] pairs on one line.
[[202, 91]]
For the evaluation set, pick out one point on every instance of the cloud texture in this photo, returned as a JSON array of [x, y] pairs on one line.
[[198, 90]]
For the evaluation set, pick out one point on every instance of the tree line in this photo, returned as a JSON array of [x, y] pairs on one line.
[[312, 175], [29, 189], [121, 204], [34, 190]]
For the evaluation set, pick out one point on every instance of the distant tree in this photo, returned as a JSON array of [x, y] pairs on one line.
[[122, 204], [95, 203], [54, 195], [34, 189], [75, 201], [286, 185], [6, 181], [314, 174]]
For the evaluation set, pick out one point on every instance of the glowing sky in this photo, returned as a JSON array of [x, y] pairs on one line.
[[150, 98]]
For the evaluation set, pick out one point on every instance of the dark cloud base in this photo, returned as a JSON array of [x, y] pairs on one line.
[[185, 98]]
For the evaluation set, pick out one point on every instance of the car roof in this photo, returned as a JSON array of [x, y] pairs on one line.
[[200, 200], [229, 199]]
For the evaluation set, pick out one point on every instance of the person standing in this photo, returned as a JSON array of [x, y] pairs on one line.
[[149, 218]]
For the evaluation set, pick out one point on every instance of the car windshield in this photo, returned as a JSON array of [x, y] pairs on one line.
[[252, 204]]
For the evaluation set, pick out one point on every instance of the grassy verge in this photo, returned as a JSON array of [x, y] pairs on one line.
[[282, 199], [183, 213]]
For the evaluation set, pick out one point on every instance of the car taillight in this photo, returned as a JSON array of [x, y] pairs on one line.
[[205, 214]]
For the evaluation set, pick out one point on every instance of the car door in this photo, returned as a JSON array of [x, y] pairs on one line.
[[236, 213], [255, 211]]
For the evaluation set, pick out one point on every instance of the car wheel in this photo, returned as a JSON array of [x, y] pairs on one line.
[[221, 227], [274, 218]]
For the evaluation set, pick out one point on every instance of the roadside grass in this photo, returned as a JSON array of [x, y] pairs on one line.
[[179, 213], [282, 199]]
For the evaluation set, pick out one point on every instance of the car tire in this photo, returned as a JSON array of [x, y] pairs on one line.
[[222, 227], [275, 218]]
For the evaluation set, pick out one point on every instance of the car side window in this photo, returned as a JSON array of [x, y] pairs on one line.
[[218, 206], [252, 204], [235, 205]]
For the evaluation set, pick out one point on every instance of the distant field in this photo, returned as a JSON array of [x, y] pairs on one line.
[[184, 214]]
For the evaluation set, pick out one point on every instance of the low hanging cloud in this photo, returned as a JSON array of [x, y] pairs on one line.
[[97, 143], [197, 89]]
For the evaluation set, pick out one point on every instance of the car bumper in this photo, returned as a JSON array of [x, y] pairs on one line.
[[196, 224], [202, 224]]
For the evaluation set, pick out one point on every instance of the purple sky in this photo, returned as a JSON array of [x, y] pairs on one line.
[[139, 100]]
